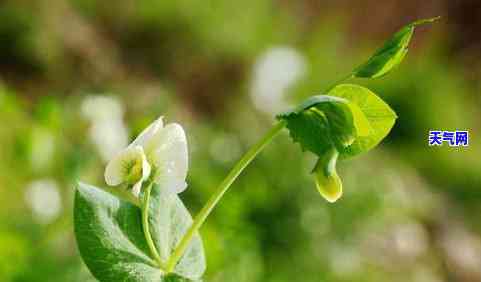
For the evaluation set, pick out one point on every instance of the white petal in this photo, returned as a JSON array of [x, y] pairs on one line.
[[172, 184], [148, 133], [136, 188], [115, 172], [145, 166], [167, 151]]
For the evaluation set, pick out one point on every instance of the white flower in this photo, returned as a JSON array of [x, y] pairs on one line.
[[108, 131], [158, 153], [130, 166]]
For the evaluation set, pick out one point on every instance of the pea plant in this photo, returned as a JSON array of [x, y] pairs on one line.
[[137, 229]]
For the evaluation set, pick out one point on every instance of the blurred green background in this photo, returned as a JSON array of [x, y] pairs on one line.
[[80, 78]]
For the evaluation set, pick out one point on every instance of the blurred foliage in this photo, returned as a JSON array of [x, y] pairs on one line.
[[410, 212]]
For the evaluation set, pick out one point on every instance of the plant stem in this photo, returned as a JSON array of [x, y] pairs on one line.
[[214, 199], [146, 227], [331, 86]]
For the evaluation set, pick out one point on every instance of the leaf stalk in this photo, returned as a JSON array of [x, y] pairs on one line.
[[146, 227]]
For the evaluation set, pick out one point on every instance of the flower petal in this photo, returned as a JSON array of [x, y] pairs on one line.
[[146, 168], [172, 184], [168, 153], [148, 133], [136, 188], [117, 170]]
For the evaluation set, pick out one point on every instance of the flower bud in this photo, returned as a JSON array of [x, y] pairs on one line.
[[328, 182]]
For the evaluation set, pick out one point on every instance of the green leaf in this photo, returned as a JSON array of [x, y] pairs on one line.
[[320, 123], [328, 182], [169, 221], [390, 54], [112, 244], [361, 123], [176, 278], [380, 116]]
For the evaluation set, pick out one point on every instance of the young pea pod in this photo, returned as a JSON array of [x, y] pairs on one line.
[[328, 183]]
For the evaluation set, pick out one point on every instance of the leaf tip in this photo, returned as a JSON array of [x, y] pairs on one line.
[[425, 21], [79, 185]]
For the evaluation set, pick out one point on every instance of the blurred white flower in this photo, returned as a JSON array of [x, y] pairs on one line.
[[463, 251], [43, 198], [393, 241], [108, 132], [274, 72], [102, 108], [410, 240], [159, 153]]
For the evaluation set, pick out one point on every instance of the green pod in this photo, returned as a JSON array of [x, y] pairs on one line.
[[328, 182]]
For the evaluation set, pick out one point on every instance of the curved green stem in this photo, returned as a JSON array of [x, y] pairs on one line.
[[146, 227], [331, 86], [214, 199]]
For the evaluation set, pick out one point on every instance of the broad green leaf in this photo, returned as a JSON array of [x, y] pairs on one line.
[[169, 221], [310, 130], [320, 123], [340, 122], [390, 54], [328, 182], [380, 116], [112, 244], [361, 123]]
